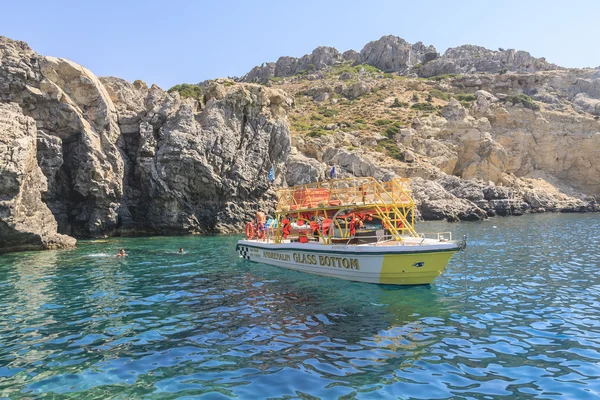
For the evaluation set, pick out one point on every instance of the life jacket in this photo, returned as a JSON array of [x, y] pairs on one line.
[[286, 227]]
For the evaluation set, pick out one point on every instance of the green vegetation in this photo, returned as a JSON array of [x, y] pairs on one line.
[[423, 107], [503, 71], [187, 90], [415, 97], [381, 122], [318, 132], [328, 112], [300, 126], [390, 147], [354, 69], [523, 99], [393, 129], [417, 66], [438, 94], [316, 117], [399, 104], [429, 99], [465, 97], [359, 121]]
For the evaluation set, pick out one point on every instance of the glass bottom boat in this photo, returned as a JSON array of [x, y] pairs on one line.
[[355, 229]]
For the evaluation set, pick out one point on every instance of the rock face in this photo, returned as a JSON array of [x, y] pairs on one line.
[[393, 54], [69, 103], [320, 58], [26, 223], [122, 158], [197, 171], [470, 59], [509, 134]]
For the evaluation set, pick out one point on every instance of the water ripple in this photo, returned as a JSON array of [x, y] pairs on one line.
[[516, 316]]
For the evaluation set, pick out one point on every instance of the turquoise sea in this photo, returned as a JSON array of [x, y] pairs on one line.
[[517, 315]]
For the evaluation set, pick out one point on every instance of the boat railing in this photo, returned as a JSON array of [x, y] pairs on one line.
[[441, 236], [343, 193]]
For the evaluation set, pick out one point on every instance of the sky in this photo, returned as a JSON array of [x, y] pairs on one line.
[[176, 41]]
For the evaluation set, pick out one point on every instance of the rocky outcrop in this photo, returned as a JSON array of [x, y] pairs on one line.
[[26, 223], [123, 158], [393, 54], [68, 102], [470, 59], [191, 170], [435, 203], [320, 58]]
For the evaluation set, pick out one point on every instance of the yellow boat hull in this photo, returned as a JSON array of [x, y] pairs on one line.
[[389, 265]]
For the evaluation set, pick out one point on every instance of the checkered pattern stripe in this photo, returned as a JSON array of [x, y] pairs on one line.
[[243, 250]]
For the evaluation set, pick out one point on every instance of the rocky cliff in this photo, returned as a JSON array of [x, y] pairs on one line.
[[122, 158], [481, 133]]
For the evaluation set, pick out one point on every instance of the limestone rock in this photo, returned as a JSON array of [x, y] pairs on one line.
[[320, 58], [26, 223], [203, 170], [261, 73], [471, 59], [356, 90], [391, 53], [352, 55], [435, 203], [454, 111], [301, 170], [67, 101]]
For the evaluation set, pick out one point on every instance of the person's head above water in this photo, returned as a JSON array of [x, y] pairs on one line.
[[181, 249], [121, 252]]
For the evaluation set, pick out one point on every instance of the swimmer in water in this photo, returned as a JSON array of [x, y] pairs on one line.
[[181, 250], [121, 253]]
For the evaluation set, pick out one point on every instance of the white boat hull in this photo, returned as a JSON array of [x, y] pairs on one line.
[[395, 264]]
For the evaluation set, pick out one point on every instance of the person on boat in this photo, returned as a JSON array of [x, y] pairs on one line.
[[121, 253], [260, 220], [332, 170]]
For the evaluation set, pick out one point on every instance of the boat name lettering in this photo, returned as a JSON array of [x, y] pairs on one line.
[[276, 256], [311, 259], [339, 262]]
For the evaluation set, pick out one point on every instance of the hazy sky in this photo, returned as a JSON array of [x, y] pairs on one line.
[[169, 42]]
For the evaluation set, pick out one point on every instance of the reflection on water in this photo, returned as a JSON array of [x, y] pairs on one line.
[[517, 315]]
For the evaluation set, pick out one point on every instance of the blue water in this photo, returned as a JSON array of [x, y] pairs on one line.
[[517, 315]]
